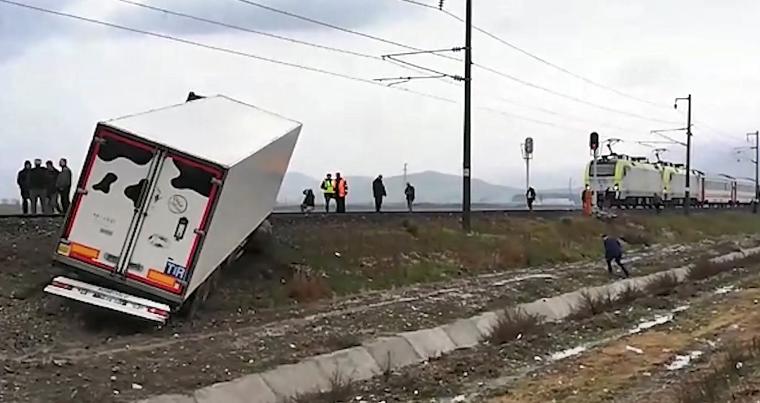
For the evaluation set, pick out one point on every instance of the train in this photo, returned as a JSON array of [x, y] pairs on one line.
[[628, 181]]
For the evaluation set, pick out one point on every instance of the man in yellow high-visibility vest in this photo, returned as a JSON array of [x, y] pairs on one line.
[[328, 188]]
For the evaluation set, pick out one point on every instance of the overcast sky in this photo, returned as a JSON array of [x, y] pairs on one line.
[[58, 77]]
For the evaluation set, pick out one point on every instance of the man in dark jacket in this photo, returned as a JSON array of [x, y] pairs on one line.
[[37, 186], [22, 179], [63, 185], [409, 193], [530, 196], [378, 192], [613, 251], [51, 192]]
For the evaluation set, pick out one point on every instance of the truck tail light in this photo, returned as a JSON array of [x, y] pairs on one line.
[[160, 312]]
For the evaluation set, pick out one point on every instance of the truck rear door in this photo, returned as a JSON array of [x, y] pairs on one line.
[[175, 218], [106, 204]]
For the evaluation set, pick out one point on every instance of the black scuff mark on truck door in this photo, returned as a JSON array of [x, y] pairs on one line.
[[192, 178], [112, 149], [133, 192]]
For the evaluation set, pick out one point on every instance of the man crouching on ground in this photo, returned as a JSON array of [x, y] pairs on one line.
[[613, 251]]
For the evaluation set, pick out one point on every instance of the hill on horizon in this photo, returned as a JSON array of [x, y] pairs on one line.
[[431, 187]]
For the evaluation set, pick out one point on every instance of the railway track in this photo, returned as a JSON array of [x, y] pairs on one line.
[[433, 213]]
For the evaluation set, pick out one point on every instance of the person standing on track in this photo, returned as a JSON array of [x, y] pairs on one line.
[[37, 186], [378, 192], [63, 185], [22, 179], [586, 200], [51, 192], [341, 191], [409, 193], [613, 251], [530, 196], [328, 188]]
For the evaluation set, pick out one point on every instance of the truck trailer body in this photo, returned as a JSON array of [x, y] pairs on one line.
[[166, 198]]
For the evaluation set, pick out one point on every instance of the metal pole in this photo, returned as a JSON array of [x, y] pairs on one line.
[[594, 182], [687, 193], [527, 173], [467, 124], [757, 169], [757, 166]]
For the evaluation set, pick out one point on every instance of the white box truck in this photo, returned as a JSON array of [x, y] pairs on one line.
[[165, 199]]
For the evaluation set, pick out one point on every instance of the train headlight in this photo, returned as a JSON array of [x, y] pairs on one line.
[[617, 187]]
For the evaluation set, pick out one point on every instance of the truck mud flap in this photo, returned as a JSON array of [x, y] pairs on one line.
[[109, 299]]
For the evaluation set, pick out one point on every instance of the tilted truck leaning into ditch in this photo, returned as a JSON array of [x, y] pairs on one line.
[[165, 199]]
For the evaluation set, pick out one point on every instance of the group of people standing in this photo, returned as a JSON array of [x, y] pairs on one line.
[[337, 189], [44, 187]]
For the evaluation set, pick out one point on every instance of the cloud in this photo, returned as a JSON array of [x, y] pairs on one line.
[[21, 28], [346, 13]]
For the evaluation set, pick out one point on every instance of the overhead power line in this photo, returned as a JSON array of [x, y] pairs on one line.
[[256, 57], [216, 48], [481, 66], [536, 57]]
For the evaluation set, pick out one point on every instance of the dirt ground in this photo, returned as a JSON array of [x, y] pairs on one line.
[[52, 351], [606, 360]]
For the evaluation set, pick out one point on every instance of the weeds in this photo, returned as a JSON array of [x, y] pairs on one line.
[[411, 228], [344, 341], [515, 323], [662, 285], [592, 305], [721, 376], [629, 294], [341, 389], [304, 286], [706, 268]]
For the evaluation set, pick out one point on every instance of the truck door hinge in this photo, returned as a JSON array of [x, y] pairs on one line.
[[99, 140], [216, 181], [82, 191], [199, 231]]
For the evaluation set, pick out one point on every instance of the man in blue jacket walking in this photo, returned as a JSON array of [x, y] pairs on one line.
[[613, 251]]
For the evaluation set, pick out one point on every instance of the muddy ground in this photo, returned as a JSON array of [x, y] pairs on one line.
[[52, 351], [602, 358]]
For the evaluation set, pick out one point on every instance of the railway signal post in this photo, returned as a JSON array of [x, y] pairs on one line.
[[594, 145], [687, 190], [756, 134], [527, 152], [467, 124]]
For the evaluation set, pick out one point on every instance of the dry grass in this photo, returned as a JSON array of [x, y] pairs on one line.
[[723, 375], [341, 389], [705, 269], [343, 341], [592, 305], [628, 295], [515, 323], [662, 284], [305, 286]]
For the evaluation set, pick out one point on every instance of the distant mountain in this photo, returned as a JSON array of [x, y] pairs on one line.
[[431, 187]]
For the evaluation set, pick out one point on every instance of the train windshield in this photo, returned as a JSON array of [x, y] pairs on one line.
[[603, 168]]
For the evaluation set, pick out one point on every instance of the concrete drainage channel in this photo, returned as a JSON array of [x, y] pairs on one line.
[[377, 356]]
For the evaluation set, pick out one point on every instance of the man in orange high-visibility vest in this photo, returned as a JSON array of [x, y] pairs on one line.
[[341, 191], [586, 199]]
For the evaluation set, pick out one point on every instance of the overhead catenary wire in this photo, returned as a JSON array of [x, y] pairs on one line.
[[536, 57], [254, 56], [266, 34], [479, 65]]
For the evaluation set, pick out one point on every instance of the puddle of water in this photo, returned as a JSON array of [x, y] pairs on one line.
[[681, 361], [658, 320], [561, 355], [680, 308], [724, 290], [522, 278]]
